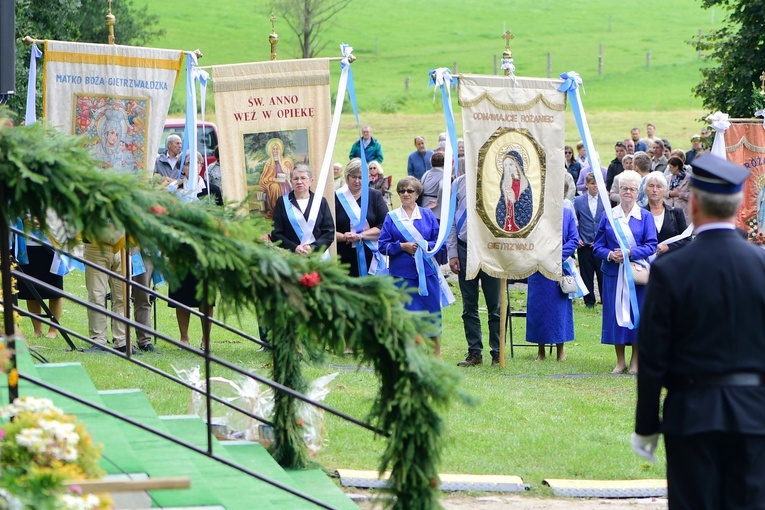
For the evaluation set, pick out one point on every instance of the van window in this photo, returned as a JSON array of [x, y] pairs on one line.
[[206, 139]]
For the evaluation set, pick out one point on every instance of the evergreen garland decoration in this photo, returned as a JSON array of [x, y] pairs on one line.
[[309, 305]]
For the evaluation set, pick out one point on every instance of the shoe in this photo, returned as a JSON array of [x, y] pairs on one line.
[[123, 349], [473, 358], [94, 349], [494, 358], [149, 348]]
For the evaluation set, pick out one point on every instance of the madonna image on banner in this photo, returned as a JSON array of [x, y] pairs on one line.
[[269, 157], [510, 185], [114, 129]]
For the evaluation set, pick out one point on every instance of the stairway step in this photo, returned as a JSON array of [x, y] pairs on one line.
[[117, 456], [322, 488], [159, 456], [254, 457], [248, 490]]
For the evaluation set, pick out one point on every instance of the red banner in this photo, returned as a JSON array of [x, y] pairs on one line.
[[745, 145]]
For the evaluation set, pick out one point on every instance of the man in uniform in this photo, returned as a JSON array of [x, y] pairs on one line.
[[702, 336]]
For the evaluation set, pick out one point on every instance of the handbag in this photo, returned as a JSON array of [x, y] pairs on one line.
[[567, 284], [640, 273]]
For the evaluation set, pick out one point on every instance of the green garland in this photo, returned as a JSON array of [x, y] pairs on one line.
[[309, 305]]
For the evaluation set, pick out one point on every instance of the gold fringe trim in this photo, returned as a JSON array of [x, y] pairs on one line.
[[468, 103], [234, 84], [113, 60], [746, 143]]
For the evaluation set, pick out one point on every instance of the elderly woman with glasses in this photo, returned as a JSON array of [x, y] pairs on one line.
[[639, 232], [670, 221], [406, 231], [347, 206]]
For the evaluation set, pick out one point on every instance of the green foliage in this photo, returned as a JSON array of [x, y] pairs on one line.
[[42, 168], [76, 20], [739, 51]]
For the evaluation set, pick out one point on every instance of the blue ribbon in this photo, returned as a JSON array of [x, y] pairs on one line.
[[451, 165], [21, 244], [30, 116], [291, 216], [570, 86], [357, 224], [190, 128], [419, 258]]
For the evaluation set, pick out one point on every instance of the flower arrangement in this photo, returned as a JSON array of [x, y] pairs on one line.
[[40, 448]]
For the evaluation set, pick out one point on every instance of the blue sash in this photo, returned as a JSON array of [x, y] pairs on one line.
[[421, 257], [378, 265]]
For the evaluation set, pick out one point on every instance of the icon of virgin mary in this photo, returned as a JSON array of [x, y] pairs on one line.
[[515, 205]]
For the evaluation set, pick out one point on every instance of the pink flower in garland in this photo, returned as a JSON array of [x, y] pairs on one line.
[[158, 209], [309, 280]]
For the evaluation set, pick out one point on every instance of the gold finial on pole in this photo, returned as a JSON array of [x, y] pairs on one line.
[[507, 55], [110, 21], [273, 38], [762, 84]]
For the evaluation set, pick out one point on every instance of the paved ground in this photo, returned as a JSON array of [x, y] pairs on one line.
[[502, 502]]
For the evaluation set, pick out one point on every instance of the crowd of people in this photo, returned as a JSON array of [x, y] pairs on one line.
[[648, 187]]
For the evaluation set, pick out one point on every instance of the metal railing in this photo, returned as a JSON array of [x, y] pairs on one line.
[[209, 359]]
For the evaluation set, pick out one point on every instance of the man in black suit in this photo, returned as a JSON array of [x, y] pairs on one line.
[[589, 209], [702, 336]]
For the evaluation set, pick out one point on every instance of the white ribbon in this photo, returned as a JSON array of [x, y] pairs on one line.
[[720, 123], [507, 65], [761, 113], [327, 162]]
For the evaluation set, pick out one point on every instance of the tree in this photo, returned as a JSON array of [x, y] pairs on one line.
[[76, 20], [306, 18], [739, 50]]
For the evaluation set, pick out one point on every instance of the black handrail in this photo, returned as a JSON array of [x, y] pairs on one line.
[[173, 439], [208, 358], [155, 370], [135, 284], [207, 353]]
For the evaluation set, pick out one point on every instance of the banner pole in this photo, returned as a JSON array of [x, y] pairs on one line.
[[502, 320]]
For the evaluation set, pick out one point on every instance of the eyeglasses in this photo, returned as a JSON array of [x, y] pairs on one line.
[[567, 152], [627, 188], [410, 191]]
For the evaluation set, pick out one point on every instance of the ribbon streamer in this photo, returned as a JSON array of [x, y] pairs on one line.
[[30, 116], [720, 123], [571, 83], [442, 78], [345, 67]]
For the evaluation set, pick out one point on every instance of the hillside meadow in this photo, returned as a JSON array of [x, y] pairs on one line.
[[396, 39]]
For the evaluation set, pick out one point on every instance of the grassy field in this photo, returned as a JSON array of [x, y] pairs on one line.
[[396, 39], [533, 419]]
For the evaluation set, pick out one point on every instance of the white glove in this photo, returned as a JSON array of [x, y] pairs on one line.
[[645, 445]]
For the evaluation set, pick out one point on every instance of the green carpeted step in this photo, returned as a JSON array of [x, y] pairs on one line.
[[117, 454], [311, 481], [159, 457], [256, 458], [322, 488], [250, 492]]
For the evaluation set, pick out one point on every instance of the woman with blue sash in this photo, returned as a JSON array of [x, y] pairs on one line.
[[406, 234], [356, 240], [291, 217], [549, 311], [639, 231]]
